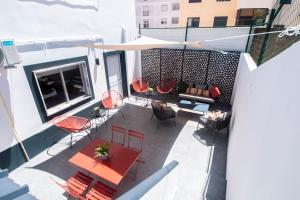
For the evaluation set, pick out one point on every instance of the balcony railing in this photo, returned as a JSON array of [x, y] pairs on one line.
[[264, 47]]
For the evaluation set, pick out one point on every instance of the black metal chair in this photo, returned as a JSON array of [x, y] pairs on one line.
[[215, 125], [163, 114]]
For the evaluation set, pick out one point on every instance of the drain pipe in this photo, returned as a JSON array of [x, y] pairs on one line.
[[138, 191]]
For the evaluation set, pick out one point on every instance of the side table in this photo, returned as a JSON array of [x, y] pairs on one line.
[[98, 115]]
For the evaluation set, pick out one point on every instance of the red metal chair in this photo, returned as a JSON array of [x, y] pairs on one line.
[[165, 86], [99, 191], [135, 141], [76, 185], [112, 99], [72, 124], [140, 86], [118, 132]]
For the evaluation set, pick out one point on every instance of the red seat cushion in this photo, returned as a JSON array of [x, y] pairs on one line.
[[214, 92]]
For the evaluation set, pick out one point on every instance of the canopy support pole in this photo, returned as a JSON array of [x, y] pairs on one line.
[[184, 48], [159, 67], [16, 134]]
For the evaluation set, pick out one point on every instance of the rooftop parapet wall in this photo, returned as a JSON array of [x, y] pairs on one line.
[[264, 141], [203, 34]]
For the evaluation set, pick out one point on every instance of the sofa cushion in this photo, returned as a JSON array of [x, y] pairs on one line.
[[188, 90], [214, 92], [193, 91], [205, 93], [199, 92], [197, 98]]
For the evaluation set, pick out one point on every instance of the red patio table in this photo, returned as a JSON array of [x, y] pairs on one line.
[[114, 169]]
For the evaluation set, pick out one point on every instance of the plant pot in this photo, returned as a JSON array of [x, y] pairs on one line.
[[104, 157]]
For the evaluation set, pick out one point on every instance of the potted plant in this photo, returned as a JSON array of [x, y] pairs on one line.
[[102, 151]]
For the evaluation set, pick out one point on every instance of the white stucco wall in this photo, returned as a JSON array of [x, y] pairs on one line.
[[43, 19], [263, 161]]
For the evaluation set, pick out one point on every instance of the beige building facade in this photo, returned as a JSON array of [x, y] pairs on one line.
[[208, 13]]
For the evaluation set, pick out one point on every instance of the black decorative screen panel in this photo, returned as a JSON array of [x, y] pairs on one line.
[[197, 66]]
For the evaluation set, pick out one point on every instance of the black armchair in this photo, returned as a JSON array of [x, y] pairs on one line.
[[215, 125], [163, 114]]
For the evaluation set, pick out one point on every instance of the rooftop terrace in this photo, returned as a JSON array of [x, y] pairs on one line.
[[201, 156]]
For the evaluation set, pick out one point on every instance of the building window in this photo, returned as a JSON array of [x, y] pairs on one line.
[[193, 21], [194, 1], [146, 10], [146, 23], [175, 20], [164, 8], [251, 16], [175, 6], [62, 86], [164, 21], [220, 21]]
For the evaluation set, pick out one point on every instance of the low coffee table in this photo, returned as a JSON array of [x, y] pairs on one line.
[[194, 106]]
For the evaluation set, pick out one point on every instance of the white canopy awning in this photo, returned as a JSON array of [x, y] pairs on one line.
[[144, 43]]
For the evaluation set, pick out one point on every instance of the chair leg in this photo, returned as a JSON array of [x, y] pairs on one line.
[[71, 140], [103, 121], [106, 116], [141, 161], [136, 171], [122, 113], [89, 134]]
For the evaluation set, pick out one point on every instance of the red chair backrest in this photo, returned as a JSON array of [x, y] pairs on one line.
[[70, 123], [118, 131], [100, 191], [139, 85], [138, 137], [166, 86], [112, 99]]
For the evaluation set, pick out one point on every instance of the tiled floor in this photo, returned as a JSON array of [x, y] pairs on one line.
[[200, 173]]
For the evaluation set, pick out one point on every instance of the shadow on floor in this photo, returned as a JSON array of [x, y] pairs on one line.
[[215, 187], [157, 144]]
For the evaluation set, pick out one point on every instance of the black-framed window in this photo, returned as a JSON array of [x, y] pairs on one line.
[[251, 16], [163, 21], [62, 86], [175, 6], [175, 20], [195, 1], [146, 23], [146, 10], [220, 21], [164, 8], [193, 21], [59, 86]]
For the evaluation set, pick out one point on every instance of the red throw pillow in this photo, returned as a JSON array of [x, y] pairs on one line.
[[214, 92]]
